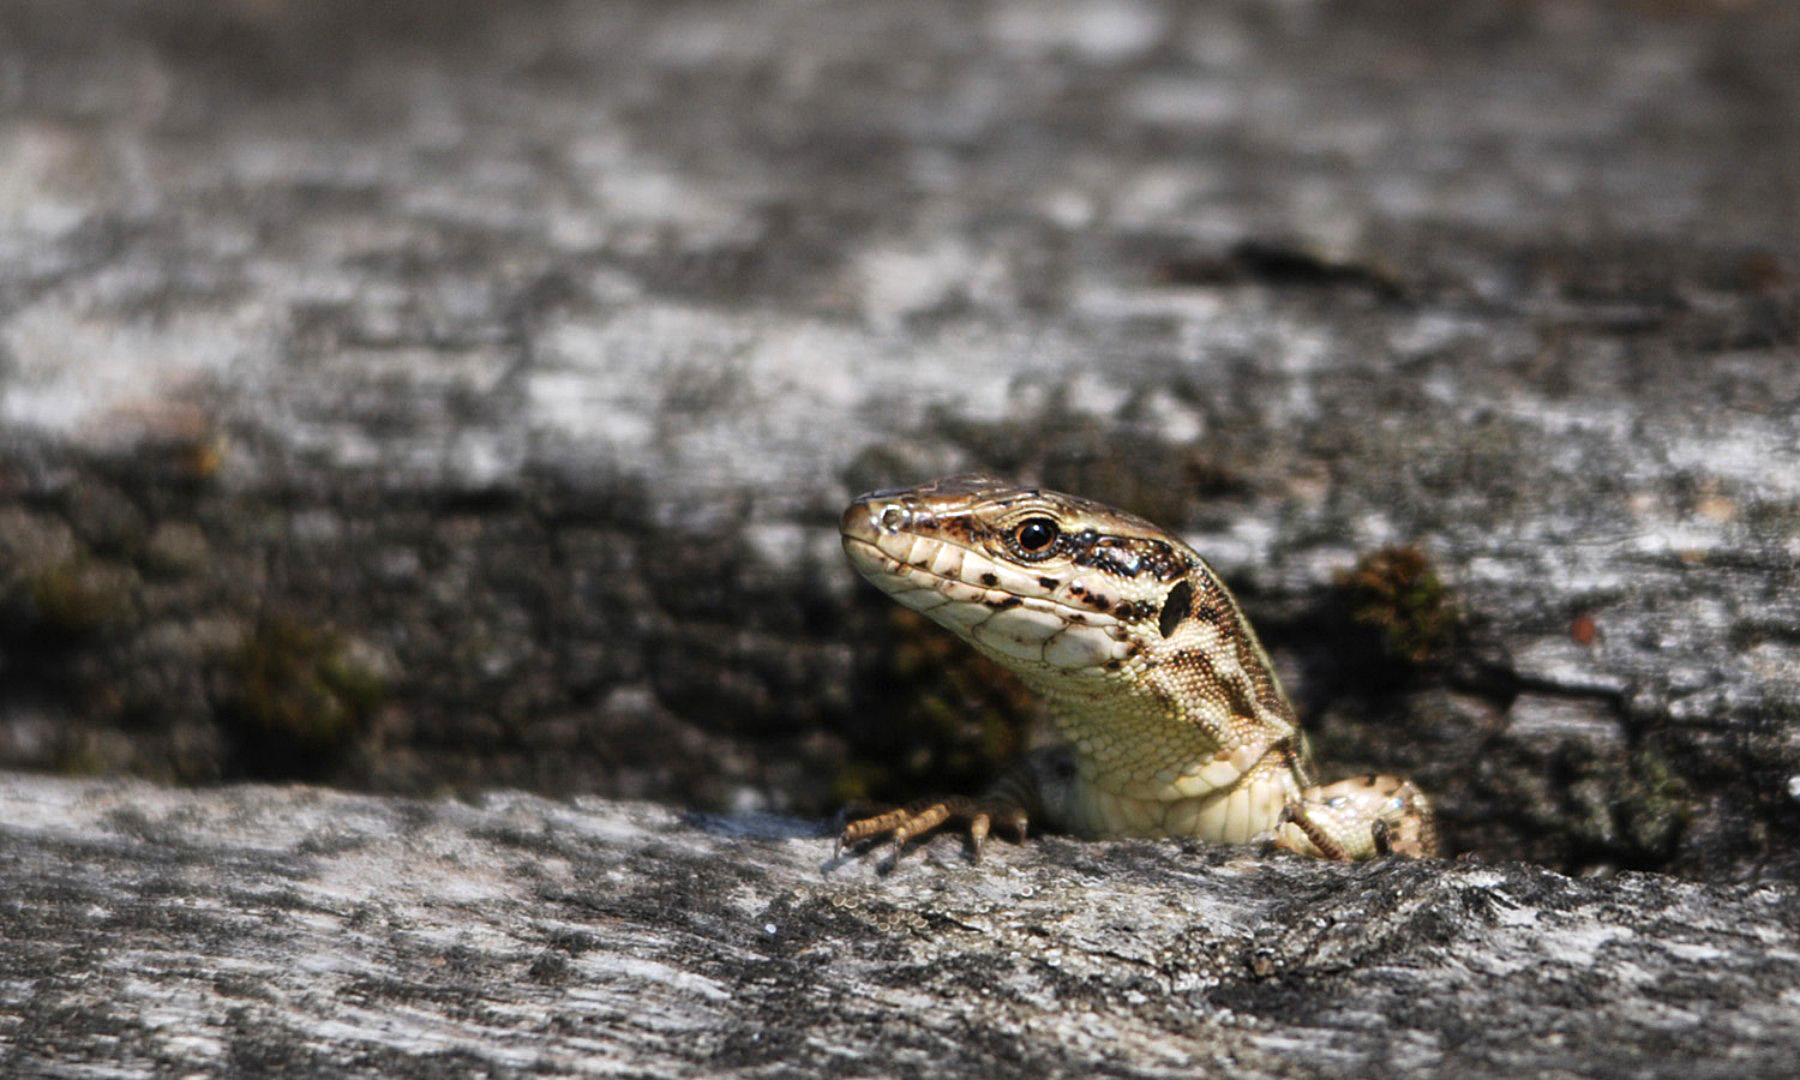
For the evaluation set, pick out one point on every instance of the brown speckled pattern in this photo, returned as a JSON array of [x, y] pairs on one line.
[[1176, 720]]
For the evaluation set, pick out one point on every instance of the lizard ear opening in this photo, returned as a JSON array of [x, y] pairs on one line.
[[1176, 607]]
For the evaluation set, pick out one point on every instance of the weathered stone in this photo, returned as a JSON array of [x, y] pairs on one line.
[[259, 929], [532, 348]]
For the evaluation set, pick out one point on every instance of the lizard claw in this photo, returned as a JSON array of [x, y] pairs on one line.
[[914, 820]]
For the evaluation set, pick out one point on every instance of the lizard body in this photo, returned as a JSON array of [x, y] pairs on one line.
[[1174, 720]]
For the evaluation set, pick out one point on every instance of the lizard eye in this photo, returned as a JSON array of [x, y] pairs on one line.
[[1036, 535]]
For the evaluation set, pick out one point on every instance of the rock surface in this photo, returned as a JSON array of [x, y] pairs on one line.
[[426, 395], [249, 930]]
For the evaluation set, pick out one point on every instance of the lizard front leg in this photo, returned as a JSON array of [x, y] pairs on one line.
[[1009, 803], [1358, 818]]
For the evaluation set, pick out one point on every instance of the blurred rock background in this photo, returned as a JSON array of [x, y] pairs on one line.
[[427, 397]]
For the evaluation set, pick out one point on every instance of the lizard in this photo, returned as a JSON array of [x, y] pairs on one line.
[[1173, 720]]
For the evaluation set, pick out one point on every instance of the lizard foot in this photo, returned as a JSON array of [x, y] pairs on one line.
[[918, 818], [1359, 818]]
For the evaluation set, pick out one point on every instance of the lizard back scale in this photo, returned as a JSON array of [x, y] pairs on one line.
[[1174, 720]]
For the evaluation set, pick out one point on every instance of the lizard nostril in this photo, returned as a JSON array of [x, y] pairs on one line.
[[893, 517]]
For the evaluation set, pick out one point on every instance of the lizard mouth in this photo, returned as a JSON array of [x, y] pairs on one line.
[[958, 573], [968, 592]]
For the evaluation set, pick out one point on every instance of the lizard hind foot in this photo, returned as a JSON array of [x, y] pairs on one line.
[[1359, 819], [904, 824]]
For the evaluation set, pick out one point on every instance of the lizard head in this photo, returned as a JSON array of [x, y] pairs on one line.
[[1043, 581]]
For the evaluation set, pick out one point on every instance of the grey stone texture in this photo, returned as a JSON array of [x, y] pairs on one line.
[[454, 394], [256, 930], [451, 397]]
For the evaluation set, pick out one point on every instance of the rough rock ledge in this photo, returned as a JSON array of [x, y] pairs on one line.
[[147, 930]]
